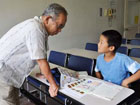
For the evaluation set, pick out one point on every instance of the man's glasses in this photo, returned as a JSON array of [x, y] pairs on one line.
[[61, 26]]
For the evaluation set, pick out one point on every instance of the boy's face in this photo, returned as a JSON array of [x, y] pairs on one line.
[[103, 45]]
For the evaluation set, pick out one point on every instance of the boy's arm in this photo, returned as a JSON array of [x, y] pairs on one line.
[[99, 75], [131, 79], [45, 69]]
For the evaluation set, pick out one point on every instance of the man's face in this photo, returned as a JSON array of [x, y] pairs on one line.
[[54, 26]]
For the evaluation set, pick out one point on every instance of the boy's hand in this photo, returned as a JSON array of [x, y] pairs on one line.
[[53, 89], [125, 83]]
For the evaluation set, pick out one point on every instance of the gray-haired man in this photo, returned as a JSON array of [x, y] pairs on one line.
[[23, 46]]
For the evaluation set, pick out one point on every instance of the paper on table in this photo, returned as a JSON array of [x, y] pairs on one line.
[[107, 91], [95, 87], [72, 93]]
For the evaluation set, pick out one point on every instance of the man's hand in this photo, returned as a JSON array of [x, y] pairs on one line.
[[125, 83], [53, 89], [45, 70]]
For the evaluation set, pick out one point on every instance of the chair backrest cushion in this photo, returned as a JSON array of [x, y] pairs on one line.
[[91, 46], [137, 35], [135, 52], [123, 50], [58, 58], [79, 63], [124, 41], [135, 42]]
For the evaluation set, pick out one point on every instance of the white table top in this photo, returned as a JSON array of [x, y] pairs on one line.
[[136, 59], [82, 52], [129, 46], [90, 99], [53, 65]]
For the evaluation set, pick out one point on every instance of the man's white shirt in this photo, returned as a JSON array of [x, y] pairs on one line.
[[20, 47]]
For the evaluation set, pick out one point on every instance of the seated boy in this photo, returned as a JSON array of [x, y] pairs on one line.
[[112, 66]]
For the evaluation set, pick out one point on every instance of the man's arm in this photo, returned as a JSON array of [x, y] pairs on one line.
[[45, 69], [131, 79]]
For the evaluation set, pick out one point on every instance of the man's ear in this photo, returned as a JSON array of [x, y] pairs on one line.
[[46, 19], [111, 48]]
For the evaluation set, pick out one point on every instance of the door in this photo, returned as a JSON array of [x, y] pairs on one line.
[[131, 18]]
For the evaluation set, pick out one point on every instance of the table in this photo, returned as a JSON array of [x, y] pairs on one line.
[[82, 52], [136, 59], [90, 99], [53, 65]]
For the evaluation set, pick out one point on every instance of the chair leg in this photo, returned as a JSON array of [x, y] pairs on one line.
[[135, 103], [66, 101], [124, 103], [45, 99], [40, 92], [27, 87]]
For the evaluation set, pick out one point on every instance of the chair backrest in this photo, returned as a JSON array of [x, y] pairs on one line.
[[137, 35], [79, 63], [123, 50], [57, 58], [124, 41], [135, 52], [91, 46], [135, 42]]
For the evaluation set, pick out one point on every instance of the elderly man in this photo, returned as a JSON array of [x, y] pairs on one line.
[[23, 46]]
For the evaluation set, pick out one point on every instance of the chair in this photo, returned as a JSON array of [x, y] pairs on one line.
[[79, 63], [37, 84], [91, 46], [137, 35], [123, 50], [57, 58], [135, 52], [135, 42], [124, 41]]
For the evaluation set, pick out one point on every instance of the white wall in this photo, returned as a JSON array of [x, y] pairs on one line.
[[83, 25], [15, 11]]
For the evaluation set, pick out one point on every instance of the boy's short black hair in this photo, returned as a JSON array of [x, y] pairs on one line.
[[114, 38]]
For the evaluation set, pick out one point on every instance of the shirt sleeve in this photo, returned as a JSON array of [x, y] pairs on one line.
[[131, 65], [35, 42]]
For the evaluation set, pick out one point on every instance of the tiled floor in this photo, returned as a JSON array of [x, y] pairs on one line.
[[25, 101]]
